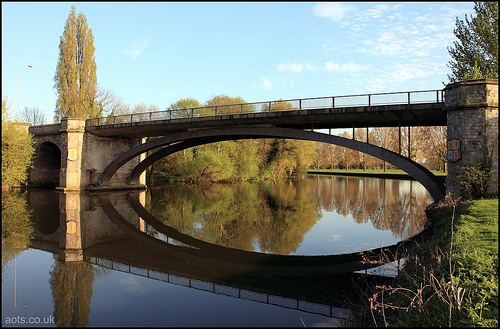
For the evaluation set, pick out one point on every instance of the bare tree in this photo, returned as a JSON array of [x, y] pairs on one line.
[[33, 115], [110, 103]]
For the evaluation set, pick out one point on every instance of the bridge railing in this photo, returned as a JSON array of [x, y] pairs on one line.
[[332, 102]]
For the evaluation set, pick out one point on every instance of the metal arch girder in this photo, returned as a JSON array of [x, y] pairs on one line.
[[203, 136]]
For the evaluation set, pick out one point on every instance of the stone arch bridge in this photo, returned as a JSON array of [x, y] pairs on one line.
[[110, 153]]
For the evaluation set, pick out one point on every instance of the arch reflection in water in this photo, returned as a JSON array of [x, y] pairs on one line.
[[100, 241], [279, 218], [94, 239], [240, 261]]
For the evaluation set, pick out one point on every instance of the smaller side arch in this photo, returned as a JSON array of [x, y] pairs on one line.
[[46, 166]]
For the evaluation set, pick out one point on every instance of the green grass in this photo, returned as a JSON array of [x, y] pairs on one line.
[[477, 226], [368, 171]]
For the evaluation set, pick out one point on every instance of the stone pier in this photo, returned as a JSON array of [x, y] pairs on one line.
[[472, 119], [70, 158]]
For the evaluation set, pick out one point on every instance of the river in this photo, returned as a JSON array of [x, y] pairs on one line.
[[183, 261]]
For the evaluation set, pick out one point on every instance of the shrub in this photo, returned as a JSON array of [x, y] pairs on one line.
[[474, 179]]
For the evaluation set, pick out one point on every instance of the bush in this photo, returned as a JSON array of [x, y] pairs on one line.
[[473, 181]]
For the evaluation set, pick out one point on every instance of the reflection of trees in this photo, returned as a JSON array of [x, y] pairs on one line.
[[273, 218], [71, 285], [16, 225], [289, 212], [389, 204]]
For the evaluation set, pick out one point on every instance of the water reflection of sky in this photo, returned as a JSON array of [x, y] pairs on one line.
[[158, 303], [124, 299], [335, 234], [31, 273]]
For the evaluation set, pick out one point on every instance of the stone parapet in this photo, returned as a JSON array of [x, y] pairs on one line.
[[52, 129], [474, 93]]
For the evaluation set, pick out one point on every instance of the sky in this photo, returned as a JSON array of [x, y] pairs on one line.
[[157, 53]]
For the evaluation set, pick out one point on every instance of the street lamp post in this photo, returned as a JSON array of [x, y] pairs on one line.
[[19, 89]]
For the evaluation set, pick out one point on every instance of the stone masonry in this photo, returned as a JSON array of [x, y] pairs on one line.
[[83, 155], [472, 119]]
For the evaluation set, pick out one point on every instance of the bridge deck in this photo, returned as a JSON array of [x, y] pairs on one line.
[[419, 114]]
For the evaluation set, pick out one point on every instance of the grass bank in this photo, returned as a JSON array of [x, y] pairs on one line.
[[393, 173], [450, 280]]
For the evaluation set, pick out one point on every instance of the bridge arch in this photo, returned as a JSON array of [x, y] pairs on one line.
[[46, 165], [180, 141]]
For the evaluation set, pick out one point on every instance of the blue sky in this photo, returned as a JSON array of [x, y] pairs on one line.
[[157, 53]]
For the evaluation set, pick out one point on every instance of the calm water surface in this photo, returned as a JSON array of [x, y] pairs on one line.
[[90, 271]]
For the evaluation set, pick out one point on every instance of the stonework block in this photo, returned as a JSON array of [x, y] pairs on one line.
[[472, 119], [473, 93]]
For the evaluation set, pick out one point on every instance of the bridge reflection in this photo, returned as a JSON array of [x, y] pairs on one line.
[[234, 287], [111, 230]]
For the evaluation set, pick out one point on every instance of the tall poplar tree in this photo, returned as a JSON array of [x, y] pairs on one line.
[[475, 54], [75, 78]]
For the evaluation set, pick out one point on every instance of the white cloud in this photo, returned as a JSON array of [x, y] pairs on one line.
[[136, 48], [267, 83], [167, 95], [349, 67], [332, 10], [311, 68], [290, 67], [131, 285], [335, 237]]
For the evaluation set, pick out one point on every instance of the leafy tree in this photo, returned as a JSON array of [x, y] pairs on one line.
[[75, 77], [226, 105], [180, 108], [221, 161], [17, 150], [475, 54]]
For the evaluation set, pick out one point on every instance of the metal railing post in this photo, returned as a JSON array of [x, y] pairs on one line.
[[400, 138], [333, 102], [408, 98]]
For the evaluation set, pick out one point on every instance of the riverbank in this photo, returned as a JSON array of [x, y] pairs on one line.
[[450, 280], [394, 173]]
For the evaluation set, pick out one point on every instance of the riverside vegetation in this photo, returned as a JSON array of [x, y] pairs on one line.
[[451, 279]]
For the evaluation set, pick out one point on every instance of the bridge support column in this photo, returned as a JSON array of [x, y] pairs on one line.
[[472, 117], [70, 243], [72, 132]]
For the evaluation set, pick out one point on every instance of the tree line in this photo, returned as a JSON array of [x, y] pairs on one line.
[[425, 145]]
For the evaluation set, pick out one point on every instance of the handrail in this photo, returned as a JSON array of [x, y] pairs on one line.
[[326, 102]]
